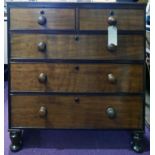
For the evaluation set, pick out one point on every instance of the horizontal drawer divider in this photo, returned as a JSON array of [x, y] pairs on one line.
[[47, 31], [75, 61], [41, 5], [111, 6], [80, 94], [71, 129], [74, 5], [99, 32], [123, 32]]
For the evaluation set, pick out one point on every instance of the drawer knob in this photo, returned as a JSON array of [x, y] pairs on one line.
[[111, 112], [42, 46], [42, 111], [41, 20], [112, 47], [112, 20], [111, 78], [42, 78]]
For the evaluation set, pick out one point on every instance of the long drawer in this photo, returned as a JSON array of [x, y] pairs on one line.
[[130, 47], [66, 112], [53, 77], [42, 18], [97, 19]]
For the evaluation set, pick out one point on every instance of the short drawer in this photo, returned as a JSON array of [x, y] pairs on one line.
[[97, 19], [60, 77], [130, 47], [42, 18], [88, 112]]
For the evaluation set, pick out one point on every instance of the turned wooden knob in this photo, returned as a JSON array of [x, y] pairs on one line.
[[42, 78], [112, 20], [42, 111], [41, 20], [111, 78], [112, 47], [42, 46], [111, 112]]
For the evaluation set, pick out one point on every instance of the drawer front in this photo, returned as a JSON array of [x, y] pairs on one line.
[[66, 47], [76, 77], [97, 19], [66, 112], [42, 18]]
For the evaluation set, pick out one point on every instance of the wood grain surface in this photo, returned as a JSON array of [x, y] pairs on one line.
[[77, 77], [130, 47], [64, 112], [23, 18], [96, 19]]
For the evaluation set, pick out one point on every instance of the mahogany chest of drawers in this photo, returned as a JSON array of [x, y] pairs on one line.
[[76, 66]]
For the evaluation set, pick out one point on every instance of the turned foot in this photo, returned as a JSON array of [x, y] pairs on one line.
[[16, 140], [137, 143]]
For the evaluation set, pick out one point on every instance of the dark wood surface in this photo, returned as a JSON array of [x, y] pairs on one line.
[[130, 47], [64, 112], [71, 112], [90, 19], [70, 78], [56, 18], [96, 19]]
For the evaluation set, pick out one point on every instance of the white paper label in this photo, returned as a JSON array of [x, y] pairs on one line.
[[112, 35]]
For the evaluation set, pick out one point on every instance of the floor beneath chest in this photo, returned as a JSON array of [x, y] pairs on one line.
[[73, 142]]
